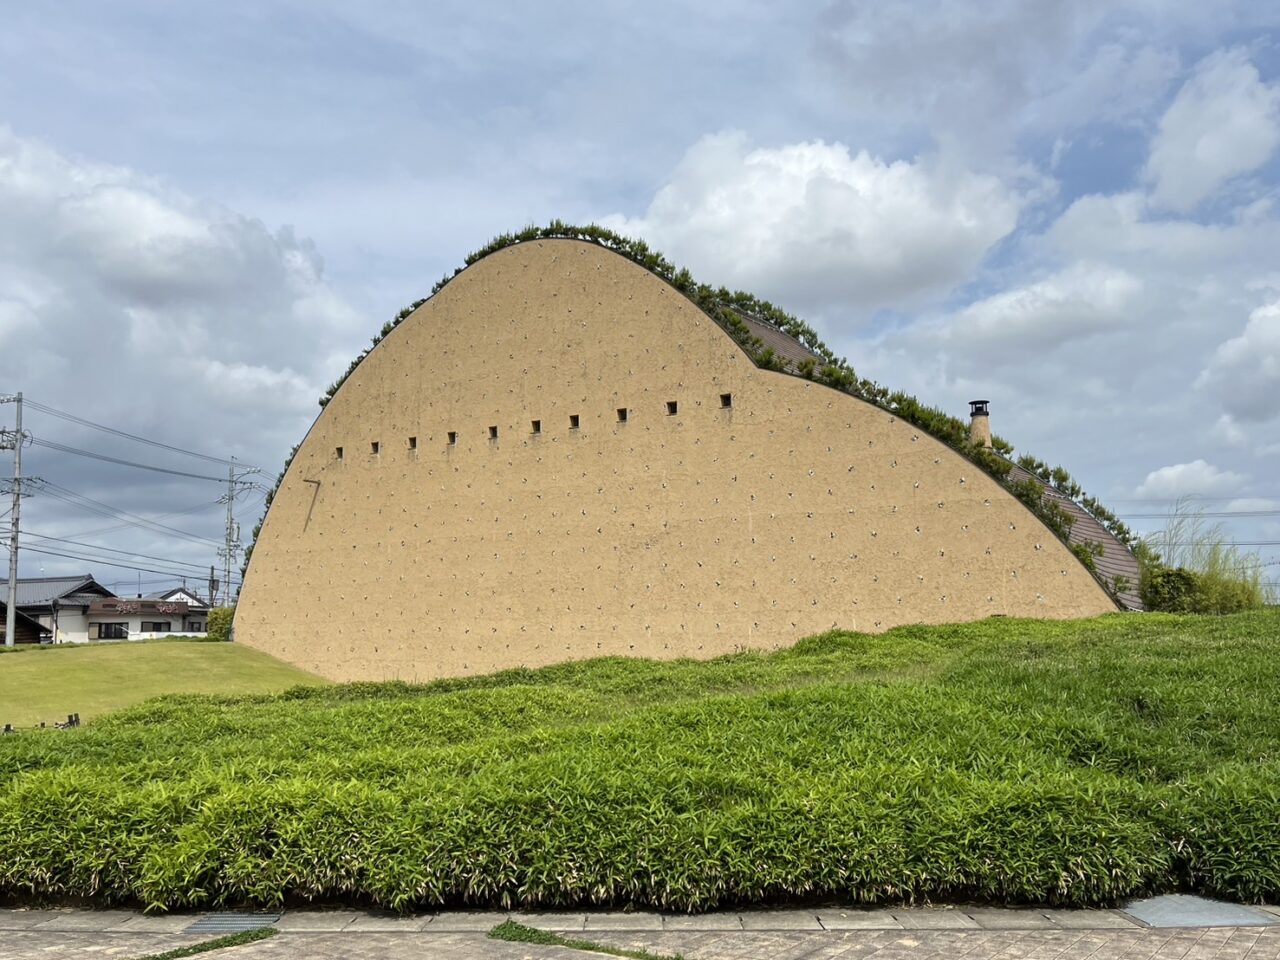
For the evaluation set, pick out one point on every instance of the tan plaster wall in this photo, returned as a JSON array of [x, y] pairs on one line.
[[796, 510]]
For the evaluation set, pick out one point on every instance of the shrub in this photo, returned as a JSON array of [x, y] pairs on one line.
[[1008, 760], [1191, 567], [220, 620], [1168, 589]]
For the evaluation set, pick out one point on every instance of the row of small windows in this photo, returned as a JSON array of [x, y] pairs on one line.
[[575, 421]]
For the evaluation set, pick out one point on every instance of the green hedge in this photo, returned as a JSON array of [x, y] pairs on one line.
[[220, 619], [1179, 590], [1011, 761]]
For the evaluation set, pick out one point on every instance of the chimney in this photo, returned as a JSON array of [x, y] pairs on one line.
[[979, 424]]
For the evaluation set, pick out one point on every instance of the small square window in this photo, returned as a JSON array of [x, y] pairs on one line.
[[574, 421], [374, 447], [537, 426], [338, 452], [622, 414], [726, 399], [453, 437], [672, 408], [413, 443], [493, 433]]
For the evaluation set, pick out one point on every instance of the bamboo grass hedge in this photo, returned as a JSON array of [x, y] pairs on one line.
[[1074, 763]]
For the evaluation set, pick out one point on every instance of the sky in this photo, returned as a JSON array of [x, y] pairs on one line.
[[1068, 207]]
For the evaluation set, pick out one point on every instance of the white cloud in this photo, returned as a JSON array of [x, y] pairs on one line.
[[1228, 432], [980, 76], [1244, 372], [1224, 122], [1248, 504], [133, 304], [1189, 479], [1082, 300], [813, 224]]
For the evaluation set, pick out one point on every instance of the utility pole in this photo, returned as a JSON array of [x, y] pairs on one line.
[[10, 612], [231, 544]]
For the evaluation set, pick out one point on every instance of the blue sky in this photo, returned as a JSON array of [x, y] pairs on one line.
[[1068, 207]]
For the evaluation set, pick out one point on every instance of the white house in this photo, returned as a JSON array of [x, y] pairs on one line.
[[80, 610]]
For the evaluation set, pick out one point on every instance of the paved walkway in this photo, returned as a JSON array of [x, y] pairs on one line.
[[973, 933]]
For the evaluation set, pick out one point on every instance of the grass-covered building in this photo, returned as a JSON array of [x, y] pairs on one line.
[[564, 453]]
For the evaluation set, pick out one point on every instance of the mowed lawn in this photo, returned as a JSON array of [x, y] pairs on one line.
[[47, 683]]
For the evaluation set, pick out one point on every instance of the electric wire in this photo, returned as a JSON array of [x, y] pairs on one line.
[[1215, 514], [72, 418], [164, 516], [128, 553], [59, 492], [112, 563], [89, 454]]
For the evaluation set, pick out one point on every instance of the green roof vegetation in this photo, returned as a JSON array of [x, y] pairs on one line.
[[728, 308]]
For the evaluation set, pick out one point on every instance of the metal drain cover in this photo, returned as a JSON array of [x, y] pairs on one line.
[[1180, 910], [232, 922]]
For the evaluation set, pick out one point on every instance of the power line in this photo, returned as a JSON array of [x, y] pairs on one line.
[[202, 567], [72, 418], [164, 516], [108, 563], [95, 506], [1192, 498], [1198, 514], [1156, 541], [76, 451]]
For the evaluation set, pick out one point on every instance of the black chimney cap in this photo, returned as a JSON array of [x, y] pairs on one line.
[[978, 408]]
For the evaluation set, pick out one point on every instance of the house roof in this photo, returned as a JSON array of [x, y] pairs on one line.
[[1116, 560], [20, 619], [784, 346], [42, 591], [173, 591]]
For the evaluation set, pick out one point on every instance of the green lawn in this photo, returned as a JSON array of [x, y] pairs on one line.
[[47, 683], [1006, 761]]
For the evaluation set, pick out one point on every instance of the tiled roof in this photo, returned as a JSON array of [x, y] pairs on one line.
[[168, 594], [791, 350], [1116, 560], [40, 591]]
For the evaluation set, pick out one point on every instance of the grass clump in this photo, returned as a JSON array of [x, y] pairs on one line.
[[217, 943], [1191, 566], [518, 933], [1074, 763]]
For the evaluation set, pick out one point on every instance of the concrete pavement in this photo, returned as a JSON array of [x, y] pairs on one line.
[[1220, 931]]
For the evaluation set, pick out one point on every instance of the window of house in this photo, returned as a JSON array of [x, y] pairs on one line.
[[726, 399], [672, 408], [453, 437], [493, 433], [157, 626], [413, 443], [109, 631], [374, 447], [537, 426], [338, 452], [622, 414], [574, 421]]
